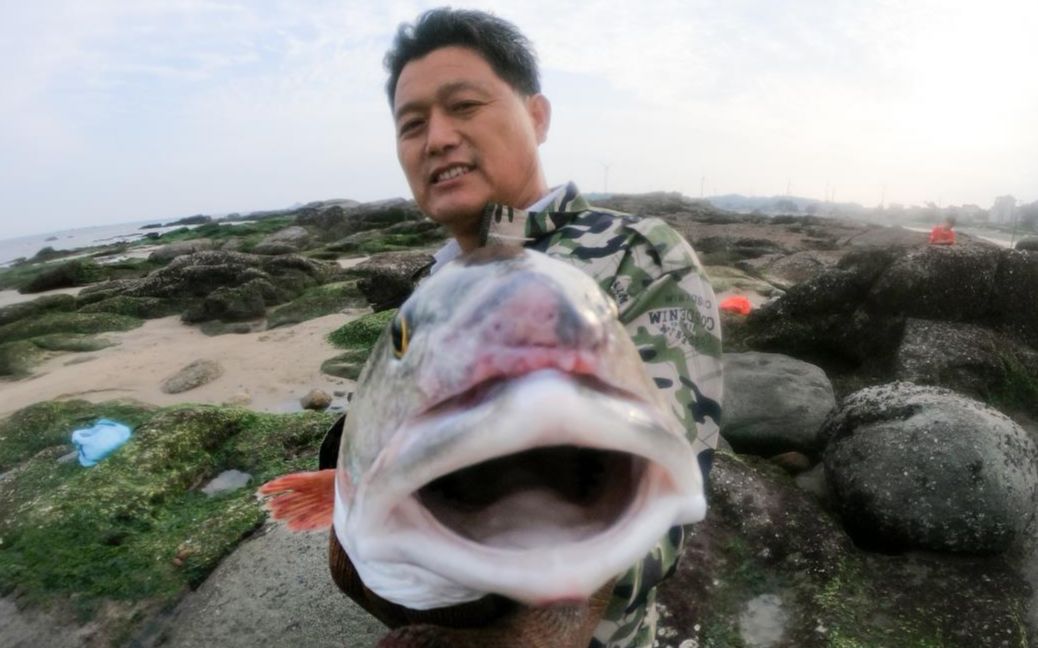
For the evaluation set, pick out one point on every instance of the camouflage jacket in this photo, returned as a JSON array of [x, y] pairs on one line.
[[669, 309]]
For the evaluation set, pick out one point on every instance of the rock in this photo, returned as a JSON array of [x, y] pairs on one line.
[[227, 481], [793, 463], [180, 248], [1015, 299], [21, 310], [339, 393], [764, 536], [294, 235], [763, 621], [949, 283], [387, 279], [77, 272], [316, 399], [917, 467], [272, 249], [335, 222], [723, 250], [773, 403], [197, 219], [1028, 244], [219, 284], [969, 358], [151, 226], [657, 203], [193, 375]]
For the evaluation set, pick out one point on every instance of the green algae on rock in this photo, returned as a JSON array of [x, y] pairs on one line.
[[61, 322], [316, 302], [135, 527]]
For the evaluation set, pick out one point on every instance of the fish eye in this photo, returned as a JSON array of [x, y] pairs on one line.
[[400, 332]]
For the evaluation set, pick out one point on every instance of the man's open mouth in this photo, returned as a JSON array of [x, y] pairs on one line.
[[451, 172]]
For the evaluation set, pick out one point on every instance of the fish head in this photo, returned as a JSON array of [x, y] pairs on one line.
[[505, 438]]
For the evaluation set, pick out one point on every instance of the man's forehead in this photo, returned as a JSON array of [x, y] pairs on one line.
[[446, 70]]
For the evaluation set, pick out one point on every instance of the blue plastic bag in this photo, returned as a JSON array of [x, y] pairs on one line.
[[100, 440]]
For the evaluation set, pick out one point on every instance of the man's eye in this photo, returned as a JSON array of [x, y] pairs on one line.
[[465, 106], [410, 126]]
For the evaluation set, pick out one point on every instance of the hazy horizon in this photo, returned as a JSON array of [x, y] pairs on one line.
[[123, 112]]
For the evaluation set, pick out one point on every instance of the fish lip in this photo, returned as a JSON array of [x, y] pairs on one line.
[[580, 364], [392, 530]]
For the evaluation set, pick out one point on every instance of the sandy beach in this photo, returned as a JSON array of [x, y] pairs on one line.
[[266, 370]]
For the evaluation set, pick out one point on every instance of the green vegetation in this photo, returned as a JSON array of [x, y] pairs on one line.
[[315, 302], [135, 528], [50, 423], [18, 358], [77, 272], [346, 365], [35, 307], [363, 332], [1019, 389], [40, 275], [59, 322], [250, 233], [71, 342], [140, 307]]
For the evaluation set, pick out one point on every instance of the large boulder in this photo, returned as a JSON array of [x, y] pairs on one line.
[[171, 251], [77, 272], [919, 467], [336, 222], [770, 567], [285, 241], [950, 283], [773, 403], [969, 358], [387, 279], [1014, 303], [220, 284]]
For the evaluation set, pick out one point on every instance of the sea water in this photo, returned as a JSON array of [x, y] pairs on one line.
[[70, 239]]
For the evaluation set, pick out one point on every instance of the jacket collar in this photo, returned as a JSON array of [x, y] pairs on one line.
[[504, 225]]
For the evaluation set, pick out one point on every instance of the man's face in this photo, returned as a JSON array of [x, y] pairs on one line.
[[466, 138]]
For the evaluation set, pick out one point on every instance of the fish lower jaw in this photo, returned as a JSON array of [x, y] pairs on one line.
[[533, 547]]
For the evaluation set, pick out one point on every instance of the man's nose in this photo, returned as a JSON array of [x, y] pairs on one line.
[[441, 133]]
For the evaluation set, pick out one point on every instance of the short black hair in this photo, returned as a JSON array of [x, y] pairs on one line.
[[498, 41]]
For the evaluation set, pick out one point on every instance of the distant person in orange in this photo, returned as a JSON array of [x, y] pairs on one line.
[[942, 233]]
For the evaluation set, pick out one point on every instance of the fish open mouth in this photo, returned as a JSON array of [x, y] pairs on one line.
[[536, 498]]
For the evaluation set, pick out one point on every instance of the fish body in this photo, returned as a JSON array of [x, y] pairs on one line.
[[505, 438]]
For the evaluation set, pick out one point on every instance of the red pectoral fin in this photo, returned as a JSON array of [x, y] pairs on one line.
[[303, 500]]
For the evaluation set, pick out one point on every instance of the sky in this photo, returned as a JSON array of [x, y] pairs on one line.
[[116, 111]]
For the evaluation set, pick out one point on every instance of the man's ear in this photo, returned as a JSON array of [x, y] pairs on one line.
[[540, 113]]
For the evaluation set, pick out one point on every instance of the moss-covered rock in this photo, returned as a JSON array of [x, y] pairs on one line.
[[315, 302], [18, 358], [71, 342], [346, 365], [59, 322], [141, 307], [22, 310], [77, 272], [50, 423], [363, 332], [135, 528]]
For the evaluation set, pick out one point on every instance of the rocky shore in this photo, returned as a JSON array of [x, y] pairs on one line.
[[878, 483]]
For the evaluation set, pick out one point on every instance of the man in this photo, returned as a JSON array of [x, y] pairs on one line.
[[465, 96], [942, 233]]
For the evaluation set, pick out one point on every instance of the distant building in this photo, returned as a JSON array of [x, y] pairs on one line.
[[1001, 213]]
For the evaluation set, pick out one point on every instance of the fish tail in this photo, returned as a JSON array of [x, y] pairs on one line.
[[303, 500]]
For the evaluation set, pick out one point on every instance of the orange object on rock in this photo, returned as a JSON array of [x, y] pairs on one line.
[[942, 235], [736, 304]]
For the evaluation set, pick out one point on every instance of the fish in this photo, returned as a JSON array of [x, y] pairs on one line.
[[504, 438]]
